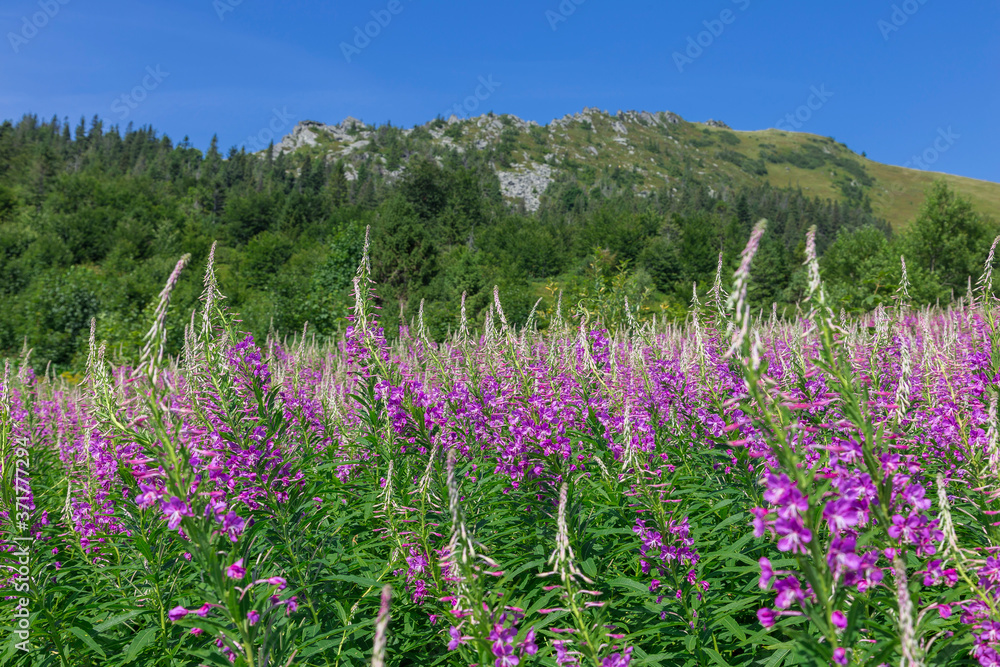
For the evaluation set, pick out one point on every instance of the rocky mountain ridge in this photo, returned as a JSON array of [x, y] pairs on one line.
[[638, 150]]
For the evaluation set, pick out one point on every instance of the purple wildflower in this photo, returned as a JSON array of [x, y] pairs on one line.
[[236, 570], [177, 613], [175, 509]]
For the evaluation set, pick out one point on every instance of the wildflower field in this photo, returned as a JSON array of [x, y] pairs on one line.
[[737, 489]]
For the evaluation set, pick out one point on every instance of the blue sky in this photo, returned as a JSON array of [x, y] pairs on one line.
[[896, 76]]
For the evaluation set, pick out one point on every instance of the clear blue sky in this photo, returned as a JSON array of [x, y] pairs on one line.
[[893, 90]]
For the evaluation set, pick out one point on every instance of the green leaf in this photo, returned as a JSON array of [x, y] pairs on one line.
[[115, 620], [88, 640], [777, 657], [361, 581], [140, 642], [629, 583], [716, 657], [734, 627]]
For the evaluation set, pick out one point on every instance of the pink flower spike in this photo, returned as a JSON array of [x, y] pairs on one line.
[[278, 581]]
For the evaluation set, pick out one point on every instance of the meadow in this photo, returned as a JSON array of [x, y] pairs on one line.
[[734, 489]]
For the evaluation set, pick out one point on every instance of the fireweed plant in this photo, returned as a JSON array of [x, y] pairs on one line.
[[736, 489]]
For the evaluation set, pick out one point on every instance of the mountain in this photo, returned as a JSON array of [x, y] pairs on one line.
[[642, 150]]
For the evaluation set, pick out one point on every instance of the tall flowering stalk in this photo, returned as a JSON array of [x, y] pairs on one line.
[[591, 636], [381, 628], [156, 337], [483, 624], [737, 300]]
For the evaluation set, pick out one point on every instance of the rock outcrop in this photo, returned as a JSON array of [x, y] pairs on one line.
[[526, 183], [352, 142]]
